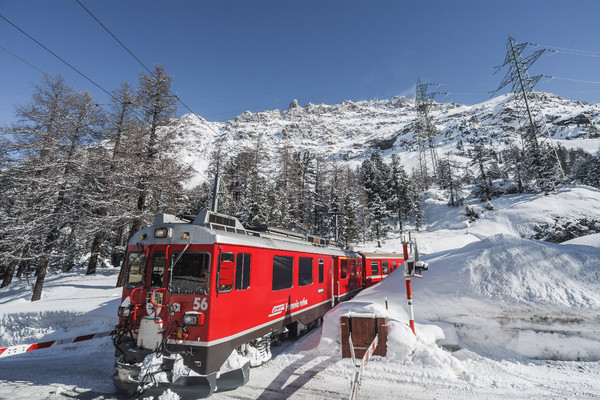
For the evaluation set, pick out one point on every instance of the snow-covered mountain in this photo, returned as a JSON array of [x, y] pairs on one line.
[[348, 132]]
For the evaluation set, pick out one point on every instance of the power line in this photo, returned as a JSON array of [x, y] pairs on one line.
[[66, 63], [564, 50], [147, 69], [54, 79], [151, 74], [58, 57], [114, 37], [571, 80], [28, 63]]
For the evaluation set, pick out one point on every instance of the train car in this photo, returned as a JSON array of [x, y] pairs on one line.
[[377, 266], [198, 292]]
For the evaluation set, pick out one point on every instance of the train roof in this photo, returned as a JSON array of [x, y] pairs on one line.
[[372, 255], [210, 228]]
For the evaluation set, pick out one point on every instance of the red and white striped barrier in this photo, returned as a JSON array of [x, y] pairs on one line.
[[23, 348], [356, 380]]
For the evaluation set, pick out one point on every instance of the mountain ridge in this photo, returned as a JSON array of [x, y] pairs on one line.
[[348, 132]]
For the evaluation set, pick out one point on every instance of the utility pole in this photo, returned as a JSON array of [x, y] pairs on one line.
[[215, 196]]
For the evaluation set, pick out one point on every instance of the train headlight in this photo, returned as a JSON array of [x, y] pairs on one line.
[[162, 232], [124, 311], [193, 318]]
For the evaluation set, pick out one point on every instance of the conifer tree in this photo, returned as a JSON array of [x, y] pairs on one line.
[[375, 176], [449, 179], [400, 202], [482, 155]]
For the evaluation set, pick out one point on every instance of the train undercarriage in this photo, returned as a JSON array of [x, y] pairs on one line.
[[142, 372]]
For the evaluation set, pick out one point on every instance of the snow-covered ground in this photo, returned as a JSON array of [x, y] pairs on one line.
[[498, 316]]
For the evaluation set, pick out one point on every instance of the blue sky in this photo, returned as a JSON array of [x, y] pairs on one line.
[[231, 56]]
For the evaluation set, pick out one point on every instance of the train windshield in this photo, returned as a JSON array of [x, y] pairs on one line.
[[190, 274], [159, 262], [136, 269]]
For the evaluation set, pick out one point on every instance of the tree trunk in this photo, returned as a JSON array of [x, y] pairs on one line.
[[93, 262], [43, 266], [21, 270], [117, 253], [23, 263], [8, 274]]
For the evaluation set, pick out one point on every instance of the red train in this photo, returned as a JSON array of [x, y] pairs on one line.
[[199, 292]]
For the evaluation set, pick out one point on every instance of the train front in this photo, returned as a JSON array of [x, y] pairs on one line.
[[163, 335]]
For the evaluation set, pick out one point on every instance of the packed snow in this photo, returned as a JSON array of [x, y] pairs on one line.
[[498, 315]]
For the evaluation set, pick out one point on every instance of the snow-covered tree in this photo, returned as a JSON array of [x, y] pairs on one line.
[[375, 176], [400, 201], [482, 158], [44, 178], [449, 178]]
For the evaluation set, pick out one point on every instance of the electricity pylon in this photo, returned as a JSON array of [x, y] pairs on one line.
[[425, 128], [544, 164]]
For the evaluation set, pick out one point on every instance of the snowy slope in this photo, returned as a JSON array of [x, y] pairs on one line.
[[499, 315]]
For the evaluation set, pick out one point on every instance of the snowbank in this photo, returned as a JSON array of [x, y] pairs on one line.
[[516, 297], [72, 304]]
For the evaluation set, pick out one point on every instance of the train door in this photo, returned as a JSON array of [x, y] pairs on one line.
[[341, 276], [332, 274], [355, 280], [157, 280]]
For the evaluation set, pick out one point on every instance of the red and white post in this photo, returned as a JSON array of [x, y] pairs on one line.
[[411, 312], [408, 271]]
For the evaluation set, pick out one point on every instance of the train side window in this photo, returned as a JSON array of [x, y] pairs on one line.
[[226, 257], [283, 272], [305, 271], [159, 262], [242, 271], [385, 267], [321, 270], [136, 269], [344, 269], [374, 268], [394, 266], [190, 274]]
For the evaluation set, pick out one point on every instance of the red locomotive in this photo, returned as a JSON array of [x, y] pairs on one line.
[[199, 292]]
